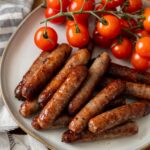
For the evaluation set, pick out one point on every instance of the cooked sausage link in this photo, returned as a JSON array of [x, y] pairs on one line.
[[29, 107], [61, 122], [81, 57], [96, 105], [55, 60], [118, 115], [37, 63], [135, 90], [128, 74], [18, 91], [127, 129], [96, 71], [62, 96]]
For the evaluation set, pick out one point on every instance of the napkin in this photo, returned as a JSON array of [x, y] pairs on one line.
[[12, 13]]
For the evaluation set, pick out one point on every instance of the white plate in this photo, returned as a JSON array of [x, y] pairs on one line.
[[18, 57]]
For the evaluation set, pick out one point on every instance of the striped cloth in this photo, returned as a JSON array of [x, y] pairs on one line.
[[11, 14]]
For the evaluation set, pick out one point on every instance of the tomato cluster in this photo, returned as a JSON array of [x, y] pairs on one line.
[[128, 36]]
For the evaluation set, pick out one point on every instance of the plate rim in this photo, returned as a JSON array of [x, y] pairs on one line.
[[26, 130]]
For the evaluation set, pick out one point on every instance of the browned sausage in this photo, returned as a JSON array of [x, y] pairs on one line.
[[43, 74], [127, 129], [115, 103], [96, 71], [96, 105], [62, 96], [138, 90], [28, 108], [128, 74], [118, 115], [135, 90], [61, 122], [81, 57], [37, 63]]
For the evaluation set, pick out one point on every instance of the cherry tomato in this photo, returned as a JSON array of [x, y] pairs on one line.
[[49, 12], [71, 22], [124, 23], [100, 40], [54, 4], [142, 47], [121, 48], [76, 5], [142, 33], [46, 38], [133, 5], [111, 28], [140, 63], [77, 38], [146, 22], [112, 3]]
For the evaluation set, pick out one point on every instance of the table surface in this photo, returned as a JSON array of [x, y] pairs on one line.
[[20, 131]]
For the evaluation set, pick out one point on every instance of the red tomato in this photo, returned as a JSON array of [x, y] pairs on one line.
[[140, 63], [71, 22], [46, 38], [76, 5], [111, 29], [146, 22], [100, 40], [49, 12], [142, 47], [54, 4], [142, 33], [121, 49], [124, 23], [112, 3], [77, 39], [133, 5]]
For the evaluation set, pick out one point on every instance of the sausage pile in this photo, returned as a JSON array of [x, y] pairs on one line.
[[88, 97]]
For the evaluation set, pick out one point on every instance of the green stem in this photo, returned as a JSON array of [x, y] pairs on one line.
[[82, 6], [61, 9], [115, 13]]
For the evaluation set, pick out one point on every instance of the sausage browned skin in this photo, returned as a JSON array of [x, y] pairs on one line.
[[127, 129], [61, 122], [128, 74], [118, 115], [28, 108], [37, 63], [115, 103], [81, 57], [62, 96], [96, 105], [42, 75], [96, 71], [136, 90]]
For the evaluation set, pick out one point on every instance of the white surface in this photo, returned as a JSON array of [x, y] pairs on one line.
[[19, 56]]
